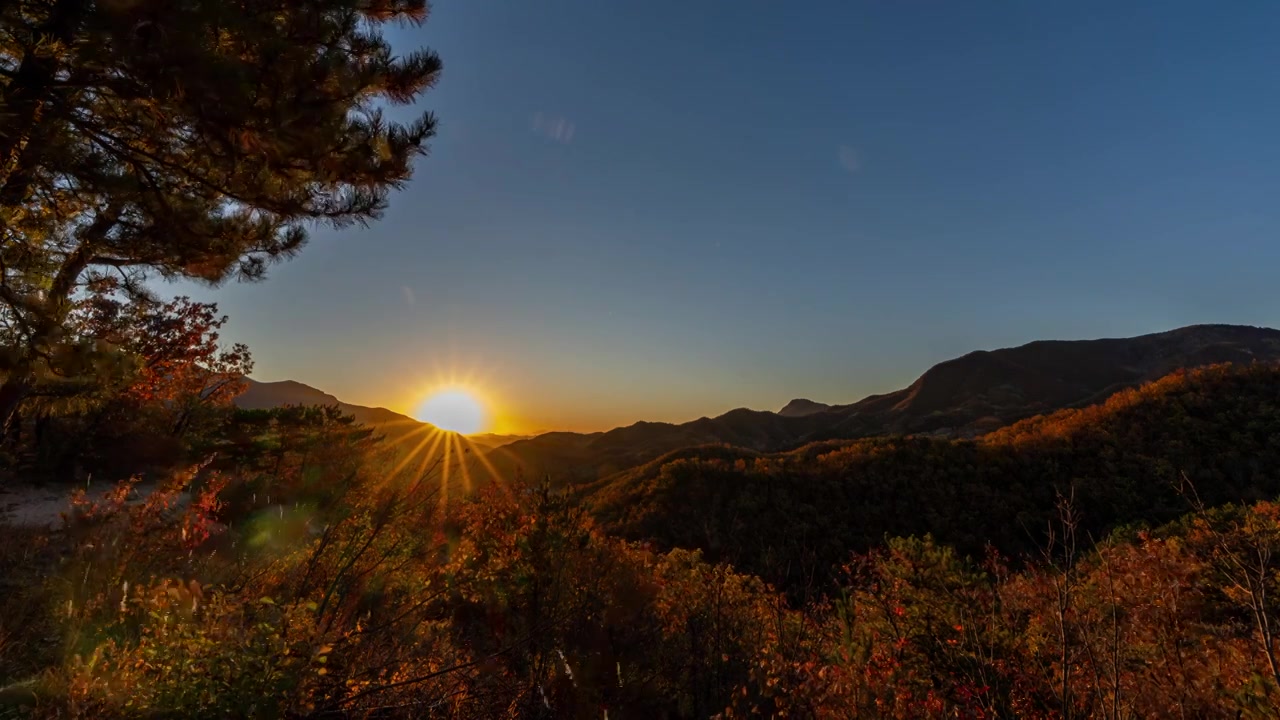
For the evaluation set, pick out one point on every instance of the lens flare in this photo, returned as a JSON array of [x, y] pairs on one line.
[[455, 409]]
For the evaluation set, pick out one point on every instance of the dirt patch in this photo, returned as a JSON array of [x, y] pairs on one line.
[[42, 506]]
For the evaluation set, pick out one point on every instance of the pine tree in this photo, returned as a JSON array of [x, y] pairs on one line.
[[185, 138]]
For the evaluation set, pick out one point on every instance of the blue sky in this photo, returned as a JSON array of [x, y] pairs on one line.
[[663, 210]]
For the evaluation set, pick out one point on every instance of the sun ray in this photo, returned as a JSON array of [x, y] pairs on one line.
[[499, 481], [420, 475], [515, 460], [409, 436], [462, 466], [433, 452], [403, 458], [409, 456], [482, 457], [444, 477]]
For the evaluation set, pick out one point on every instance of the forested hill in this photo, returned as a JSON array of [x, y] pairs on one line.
[[793, 517], [263, 395], [963, 397]]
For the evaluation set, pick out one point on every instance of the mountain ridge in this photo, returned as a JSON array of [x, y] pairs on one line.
[[1126, 459], [961, 397]]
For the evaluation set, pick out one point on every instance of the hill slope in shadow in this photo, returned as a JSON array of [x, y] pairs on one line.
[[963, 397], [793, 517]]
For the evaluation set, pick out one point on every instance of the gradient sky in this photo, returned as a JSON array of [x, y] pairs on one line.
[[662, 210]]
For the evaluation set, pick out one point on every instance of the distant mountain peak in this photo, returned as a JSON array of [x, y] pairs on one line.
[[262, 395], [801, 407]]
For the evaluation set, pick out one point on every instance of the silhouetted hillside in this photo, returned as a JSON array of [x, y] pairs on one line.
[[803, 406], [964, 397], [986, 389], [266, 395], [573, 457], [792, 517]]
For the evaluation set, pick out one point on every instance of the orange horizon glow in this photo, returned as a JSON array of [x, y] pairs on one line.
[[513, 405]]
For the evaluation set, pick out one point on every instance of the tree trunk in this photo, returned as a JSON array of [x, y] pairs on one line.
[[12, 393], [21, 379]]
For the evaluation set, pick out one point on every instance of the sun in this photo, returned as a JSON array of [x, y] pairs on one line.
[[455, 409]]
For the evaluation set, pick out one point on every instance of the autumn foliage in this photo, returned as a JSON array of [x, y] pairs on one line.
[[151, 384], [792, 518], [290, 573], [356, 596]]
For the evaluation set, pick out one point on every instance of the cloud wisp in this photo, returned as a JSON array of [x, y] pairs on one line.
[[556, 128]]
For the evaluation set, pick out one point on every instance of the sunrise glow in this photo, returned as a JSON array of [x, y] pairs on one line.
[[457, 409]]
